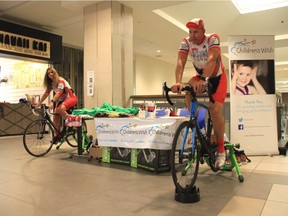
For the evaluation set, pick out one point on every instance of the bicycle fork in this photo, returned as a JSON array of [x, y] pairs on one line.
[[41, 131], [189, 164]]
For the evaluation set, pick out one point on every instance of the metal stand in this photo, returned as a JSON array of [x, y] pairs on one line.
[[191, 196]]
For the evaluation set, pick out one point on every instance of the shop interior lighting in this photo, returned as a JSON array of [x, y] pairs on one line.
[[250, 6], [281, 63]]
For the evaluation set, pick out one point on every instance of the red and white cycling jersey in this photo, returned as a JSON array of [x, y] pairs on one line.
[[199, 53], [64, 88]]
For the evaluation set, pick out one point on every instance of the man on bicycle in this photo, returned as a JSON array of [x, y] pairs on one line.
[[204, 50]]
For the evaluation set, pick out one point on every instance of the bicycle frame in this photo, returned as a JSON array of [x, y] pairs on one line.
[[194, 108], [85, 139], [47, 117]]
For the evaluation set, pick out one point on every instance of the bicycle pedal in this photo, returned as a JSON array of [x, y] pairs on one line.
[[56, 139]]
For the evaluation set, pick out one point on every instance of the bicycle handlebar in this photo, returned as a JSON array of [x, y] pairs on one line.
[[43, 106], [165, 92], [33, 107], [188, 88]]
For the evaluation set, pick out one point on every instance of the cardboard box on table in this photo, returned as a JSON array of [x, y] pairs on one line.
[[151, 159], [95, 152], [116, 155], [148, 159]]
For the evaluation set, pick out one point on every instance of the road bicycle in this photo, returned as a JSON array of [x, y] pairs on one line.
[[193, 143], [39, 134]]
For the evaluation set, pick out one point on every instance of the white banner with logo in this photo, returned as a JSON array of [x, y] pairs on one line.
[[252, 94], [154, 133]]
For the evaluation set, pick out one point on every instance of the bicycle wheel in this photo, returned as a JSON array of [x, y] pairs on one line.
[[185, 157], [37, 138], [71, 136], [211, 147]]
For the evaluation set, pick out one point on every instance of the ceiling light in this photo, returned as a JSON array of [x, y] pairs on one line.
[[281, 37], [250, 6], [174, 21], [281, 63]]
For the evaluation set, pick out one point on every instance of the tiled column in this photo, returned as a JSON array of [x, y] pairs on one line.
[[108, 53]]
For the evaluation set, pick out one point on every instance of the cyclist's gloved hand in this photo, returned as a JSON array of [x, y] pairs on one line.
[[176, 88], [200, 86]]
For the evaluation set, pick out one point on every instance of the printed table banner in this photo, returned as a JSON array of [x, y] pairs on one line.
[[154, 133], [252, 94]]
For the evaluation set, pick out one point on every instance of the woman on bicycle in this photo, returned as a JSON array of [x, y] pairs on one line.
[[204, 50], [63, 99]]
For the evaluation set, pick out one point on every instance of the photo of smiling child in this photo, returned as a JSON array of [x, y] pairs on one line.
[[244, 78]]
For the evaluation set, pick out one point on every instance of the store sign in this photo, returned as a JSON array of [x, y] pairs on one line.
[[25, 45]]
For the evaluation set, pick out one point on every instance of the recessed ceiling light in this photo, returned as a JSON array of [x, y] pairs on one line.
[[250, 6]]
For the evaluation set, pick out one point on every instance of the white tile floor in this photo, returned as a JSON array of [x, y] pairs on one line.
[[276, 203], [58, 185]]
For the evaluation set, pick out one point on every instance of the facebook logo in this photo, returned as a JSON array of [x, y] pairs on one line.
[[240, 127]]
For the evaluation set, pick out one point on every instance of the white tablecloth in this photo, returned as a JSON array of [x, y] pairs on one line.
[[151, 133]]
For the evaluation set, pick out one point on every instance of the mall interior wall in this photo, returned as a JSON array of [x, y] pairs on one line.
[[150, 74]]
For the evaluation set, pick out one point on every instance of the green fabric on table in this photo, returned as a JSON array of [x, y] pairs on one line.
[[105, 108]]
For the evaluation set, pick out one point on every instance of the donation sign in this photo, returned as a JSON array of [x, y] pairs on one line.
[[252, 94]]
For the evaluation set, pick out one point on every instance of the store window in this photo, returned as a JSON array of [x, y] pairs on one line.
[[19, 78]]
